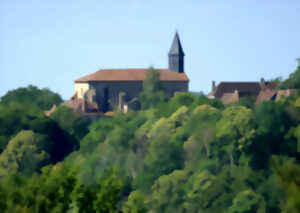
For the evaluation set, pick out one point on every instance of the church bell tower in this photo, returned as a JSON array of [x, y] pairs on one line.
[[176, 56]]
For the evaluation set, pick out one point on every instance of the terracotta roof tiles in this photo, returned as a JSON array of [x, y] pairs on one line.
[[131, 75], [230, 97], [244, 88], [265, 95]]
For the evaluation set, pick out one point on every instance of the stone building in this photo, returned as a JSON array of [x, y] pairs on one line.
[[229, 92], [110, 89]]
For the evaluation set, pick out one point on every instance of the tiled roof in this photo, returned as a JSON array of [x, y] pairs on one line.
[[230, 97], [244, 88], [131, 75], [265, 95]]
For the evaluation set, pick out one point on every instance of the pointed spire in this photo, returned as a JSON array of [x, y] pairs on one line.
[[176, 48]]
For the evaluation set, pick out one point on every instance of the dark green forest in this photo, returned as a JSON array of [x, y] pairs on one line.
[[184, 154]]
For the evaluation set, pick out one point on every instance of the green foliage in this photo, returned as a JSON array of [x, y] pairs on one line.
[[245, 101], [49, 192], [25, 153], [58, 190], [190, 154], [70, 121], [152, 90], [187, 99], [272, 123], [179, 153], [32, 96], [49, 137], [111, 186], [82, 199], [236, 126], [168, 192], [296, 133], [288, 172], [276, 81], [247, 201], [135, 203], [109, 142], [202, 99], [293, 81], [13, 119]]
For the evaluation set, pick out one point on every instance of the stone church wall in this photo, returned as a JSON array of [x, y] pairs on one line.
[[171, 87], [132, 90]]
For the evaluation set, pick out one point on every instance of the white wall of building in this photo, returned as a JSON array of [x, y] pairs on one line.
[[81, 88]]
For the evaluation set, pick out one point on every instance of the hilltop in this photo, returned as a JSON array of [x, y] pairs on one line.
[[184, 154]]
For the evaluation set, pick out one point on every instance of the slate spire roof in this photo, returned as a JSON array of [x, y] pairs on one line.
[[176, 48]]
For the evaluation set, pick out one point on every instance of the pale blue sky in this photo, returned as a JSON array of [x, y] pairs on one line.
[[50, 43]]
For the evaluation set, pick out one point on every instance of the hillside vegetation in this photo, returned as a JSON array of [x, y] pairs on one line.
[[186, 154]]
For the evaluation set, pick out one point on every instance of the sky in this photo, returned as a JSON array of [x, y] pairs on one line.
[[50, 43]]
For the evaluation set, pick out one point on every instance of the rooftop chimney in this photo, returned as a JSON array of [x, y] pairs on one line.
[[262, 83], [213, 88]]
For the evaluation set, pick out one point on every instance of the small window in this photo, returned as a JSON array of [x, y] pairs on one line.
[[81, 91]]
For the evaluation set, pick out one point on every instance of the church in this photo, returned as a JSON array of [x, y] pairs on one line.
[[118, 89]]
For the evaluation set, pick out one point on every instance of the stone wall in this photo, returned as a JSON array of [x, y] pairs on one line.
[[132, 90], [171, 87]]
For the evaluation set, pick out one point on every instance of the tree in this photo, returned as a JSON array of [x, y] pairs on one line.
[[168, 192], [152, 90], [288, 171], [293, 81], [70, 121], [135, 203], [245, 101], [25, 153], [109, 192], [203, 99], [247, 201], [32, 96], [201, 128], [48, 192], [165, 109], [206, 192], [17, 117], [272, 123], [234, 131], [83, 198], [164, 154], [14, 118]]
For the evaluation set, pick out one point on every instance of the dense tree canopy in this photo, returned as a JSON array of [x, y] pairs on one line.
[[28, 138], [186, 154], [25, 153], [70, 121], [32, 96]]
